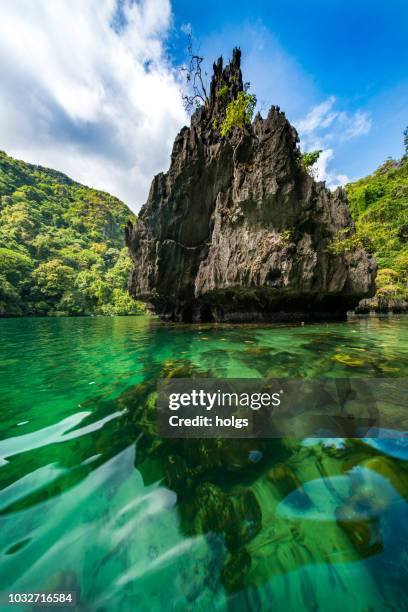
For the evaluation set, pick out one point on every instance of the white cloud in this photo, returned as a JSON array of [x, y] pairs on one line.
[[323, 126], [85, 87], [325, 173], [186, 28], [354, 125], [320, 116]]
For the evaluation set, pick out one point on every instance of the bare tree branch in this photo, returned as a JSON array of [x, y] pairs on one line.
[[194, 77]]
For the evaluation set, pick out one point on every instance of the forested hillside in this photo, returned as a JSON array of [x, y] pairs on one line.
[[61, 245], [379, 205]]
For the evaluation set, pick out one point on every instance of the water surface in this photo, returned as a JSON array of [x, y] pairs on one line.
[[87, 502]]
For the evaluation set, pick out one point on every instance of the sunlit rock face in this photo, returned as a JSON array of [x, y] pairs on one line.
[[237, 230]]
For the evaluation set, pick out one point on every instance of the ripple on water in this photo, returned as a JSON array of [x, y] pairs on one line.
[[85, 501]]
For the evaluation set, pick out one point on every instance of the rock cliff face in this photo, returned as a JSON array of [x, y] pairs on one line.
[[237, 230]]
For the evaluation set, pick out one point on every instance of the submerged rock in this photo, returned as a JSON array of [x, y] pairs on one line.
[[262, 514], [237, 230]]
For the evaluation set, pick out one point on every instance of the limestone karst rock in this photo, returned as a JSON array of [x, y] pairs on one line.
[[237, 230]]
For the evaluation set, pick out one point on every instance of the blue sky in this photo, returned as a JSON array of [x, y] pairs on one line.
[[355, 51], [92, 87]]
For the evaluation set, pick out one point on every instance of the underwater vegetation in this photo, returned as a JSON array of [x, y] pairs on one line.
[[276, 504], [93, 500]]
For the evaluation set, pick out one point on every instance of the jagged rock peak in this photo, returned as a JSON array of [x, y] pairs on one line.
[[237, 230], [226, 80]]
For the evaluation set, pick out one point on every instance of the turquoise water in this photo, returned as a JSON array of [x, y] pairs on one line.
[[88, 501]]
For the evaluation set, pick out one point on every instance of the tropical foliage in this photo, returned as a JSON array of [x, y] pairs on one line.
[[379, 205], [309, 160], [61, 245], [239, 112]]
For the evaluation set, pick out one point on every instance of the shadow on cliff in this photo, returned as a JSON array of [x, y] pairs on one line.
[[238, 230]]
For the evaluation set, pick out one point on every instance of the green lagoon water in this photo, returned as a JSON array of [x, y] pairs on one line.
[[87, 505]]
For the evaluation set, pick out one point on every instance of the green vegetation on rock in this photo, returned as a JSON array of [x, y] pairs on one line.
[[238, 112], [346, 241], [223, 92], [61, 245], [379, 205], [309, 159]]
